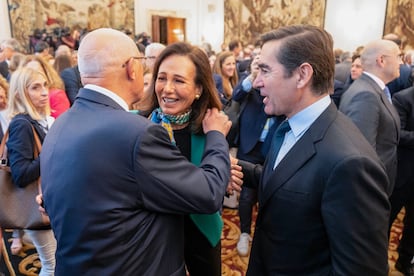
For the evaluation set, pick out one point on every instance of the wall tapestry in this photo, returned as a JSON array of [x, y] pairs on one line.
[[248, 19], [399, 20], [54, 16]]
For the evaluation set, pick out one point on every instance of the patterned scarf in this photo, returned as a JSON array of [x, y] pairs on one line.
[[158, 117]]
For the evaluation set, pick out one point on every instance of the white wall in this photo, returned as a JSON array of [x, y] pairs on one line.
[[204, 18], [4, 20], [354, 22]]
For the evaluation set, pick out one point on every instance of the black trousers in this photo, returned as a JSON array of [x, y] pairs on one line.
[[201, 258], [403, 196]]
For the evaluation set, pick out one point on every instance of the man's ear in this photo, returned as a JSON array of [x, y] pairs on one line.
[[304, 74], [131, 70]]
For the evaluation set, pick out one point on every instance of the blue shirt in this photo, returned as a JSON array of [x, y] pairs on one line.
[[300, 123]]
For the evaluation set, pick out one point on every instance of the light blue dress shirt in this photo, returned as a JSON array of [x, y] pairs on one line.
[[300, 123]]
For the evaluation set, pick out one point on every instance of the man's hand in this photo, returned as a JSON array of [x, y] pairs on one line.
[[236, 179]]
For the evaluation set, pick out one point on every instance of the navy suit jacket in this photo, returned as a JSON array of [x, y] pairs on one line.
[[116, 190], [324, 209], [20, 149], [72, 81], [251, 122], [368, 107]]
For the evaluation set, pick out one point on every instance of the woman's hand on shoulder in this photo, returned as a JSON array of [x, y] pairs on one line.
[[216, 120]]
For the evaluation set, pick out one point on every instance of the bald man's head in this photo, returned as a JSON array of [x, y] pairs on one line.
[[382, 58], [104, 50], [107, 58]]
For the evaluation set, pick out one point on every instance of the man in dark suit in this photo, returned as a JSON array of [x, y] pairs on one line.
[[72, 81], [323, 206], [114, 185], [403, 193], [367, 104]]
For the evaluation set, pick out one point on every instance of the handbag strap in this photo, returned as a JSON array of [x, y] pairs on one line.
[[37, 145], [36, 151]]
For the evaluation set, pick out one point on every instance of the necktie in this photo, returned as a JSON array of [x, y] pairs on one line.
[[387, 93], [277, 142]]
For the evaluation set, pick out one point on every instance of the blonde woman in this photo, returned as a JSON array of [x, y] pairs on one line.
[[59, 101], [29, 107]]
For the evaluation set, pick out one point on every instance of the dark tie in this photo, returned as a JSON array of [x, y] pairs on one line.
[[387, 93], [277, 142]]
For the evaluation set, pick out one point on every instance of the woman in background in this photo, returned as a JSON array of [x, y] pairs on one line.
[[29, 108], [225, 75], [59, 101]]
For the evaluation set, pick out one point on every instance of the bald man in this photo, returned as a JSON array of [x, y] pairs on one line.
[[369, 105], [152, 51], [114, 186]]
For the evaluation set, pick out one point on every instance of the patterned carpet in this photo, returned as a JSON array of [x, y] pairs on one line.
[[27, 263]]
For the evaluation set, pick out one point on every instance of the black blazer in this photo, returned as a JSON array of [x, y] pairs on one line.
[[324, 209], [404, 103]]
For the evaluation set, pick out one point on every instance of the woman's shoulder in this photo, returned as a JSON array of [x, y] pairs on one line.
[[21, 119], [217, 78]]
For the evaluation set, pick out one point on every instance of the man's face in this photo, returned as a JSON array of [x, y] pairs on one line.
[[392, 60], [5, 52], [280, 91]]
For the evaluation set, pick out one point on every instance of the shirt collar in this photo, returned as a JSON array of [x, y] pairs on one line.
[[302, 120], [380, 83], [109, 94]]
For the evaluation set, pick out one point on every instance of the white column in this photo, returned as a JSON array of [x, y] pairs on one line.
[[5, 31]]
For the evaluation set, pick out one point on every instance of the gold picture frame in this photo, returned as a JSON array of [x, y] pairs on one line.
[[246, 20], [55, 15], [399, 20]]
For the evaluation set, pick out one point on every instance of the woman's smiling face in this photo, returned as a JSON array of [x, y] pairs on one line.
[[174, 86]]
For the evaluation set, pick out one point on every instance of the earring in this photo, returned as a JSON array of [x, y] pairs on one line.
[[197, 96]]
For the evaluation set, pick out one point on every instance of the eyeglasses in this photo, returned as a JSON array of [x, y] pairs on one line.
[[142, 59], [399, 56]]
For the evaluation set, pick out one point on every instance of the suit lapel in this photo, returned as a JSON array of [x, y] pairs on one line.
[[394, 114], [299, 154], [391, 109]]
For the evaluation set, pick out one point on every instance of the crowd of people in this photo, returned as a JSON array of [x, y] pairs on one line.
[[139, 155]]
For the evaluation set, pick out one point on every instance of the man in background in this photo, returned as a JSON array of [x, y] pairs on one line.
[[367, 102]]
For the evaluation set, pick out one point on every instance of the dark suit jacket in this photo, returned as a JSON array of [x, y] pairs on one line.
[[368, 107], [218, 80], [405, 80], [72, 81], [404, 103], [4, 69], [324, 209], [116, 190], [251, 122], [20, 148]]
